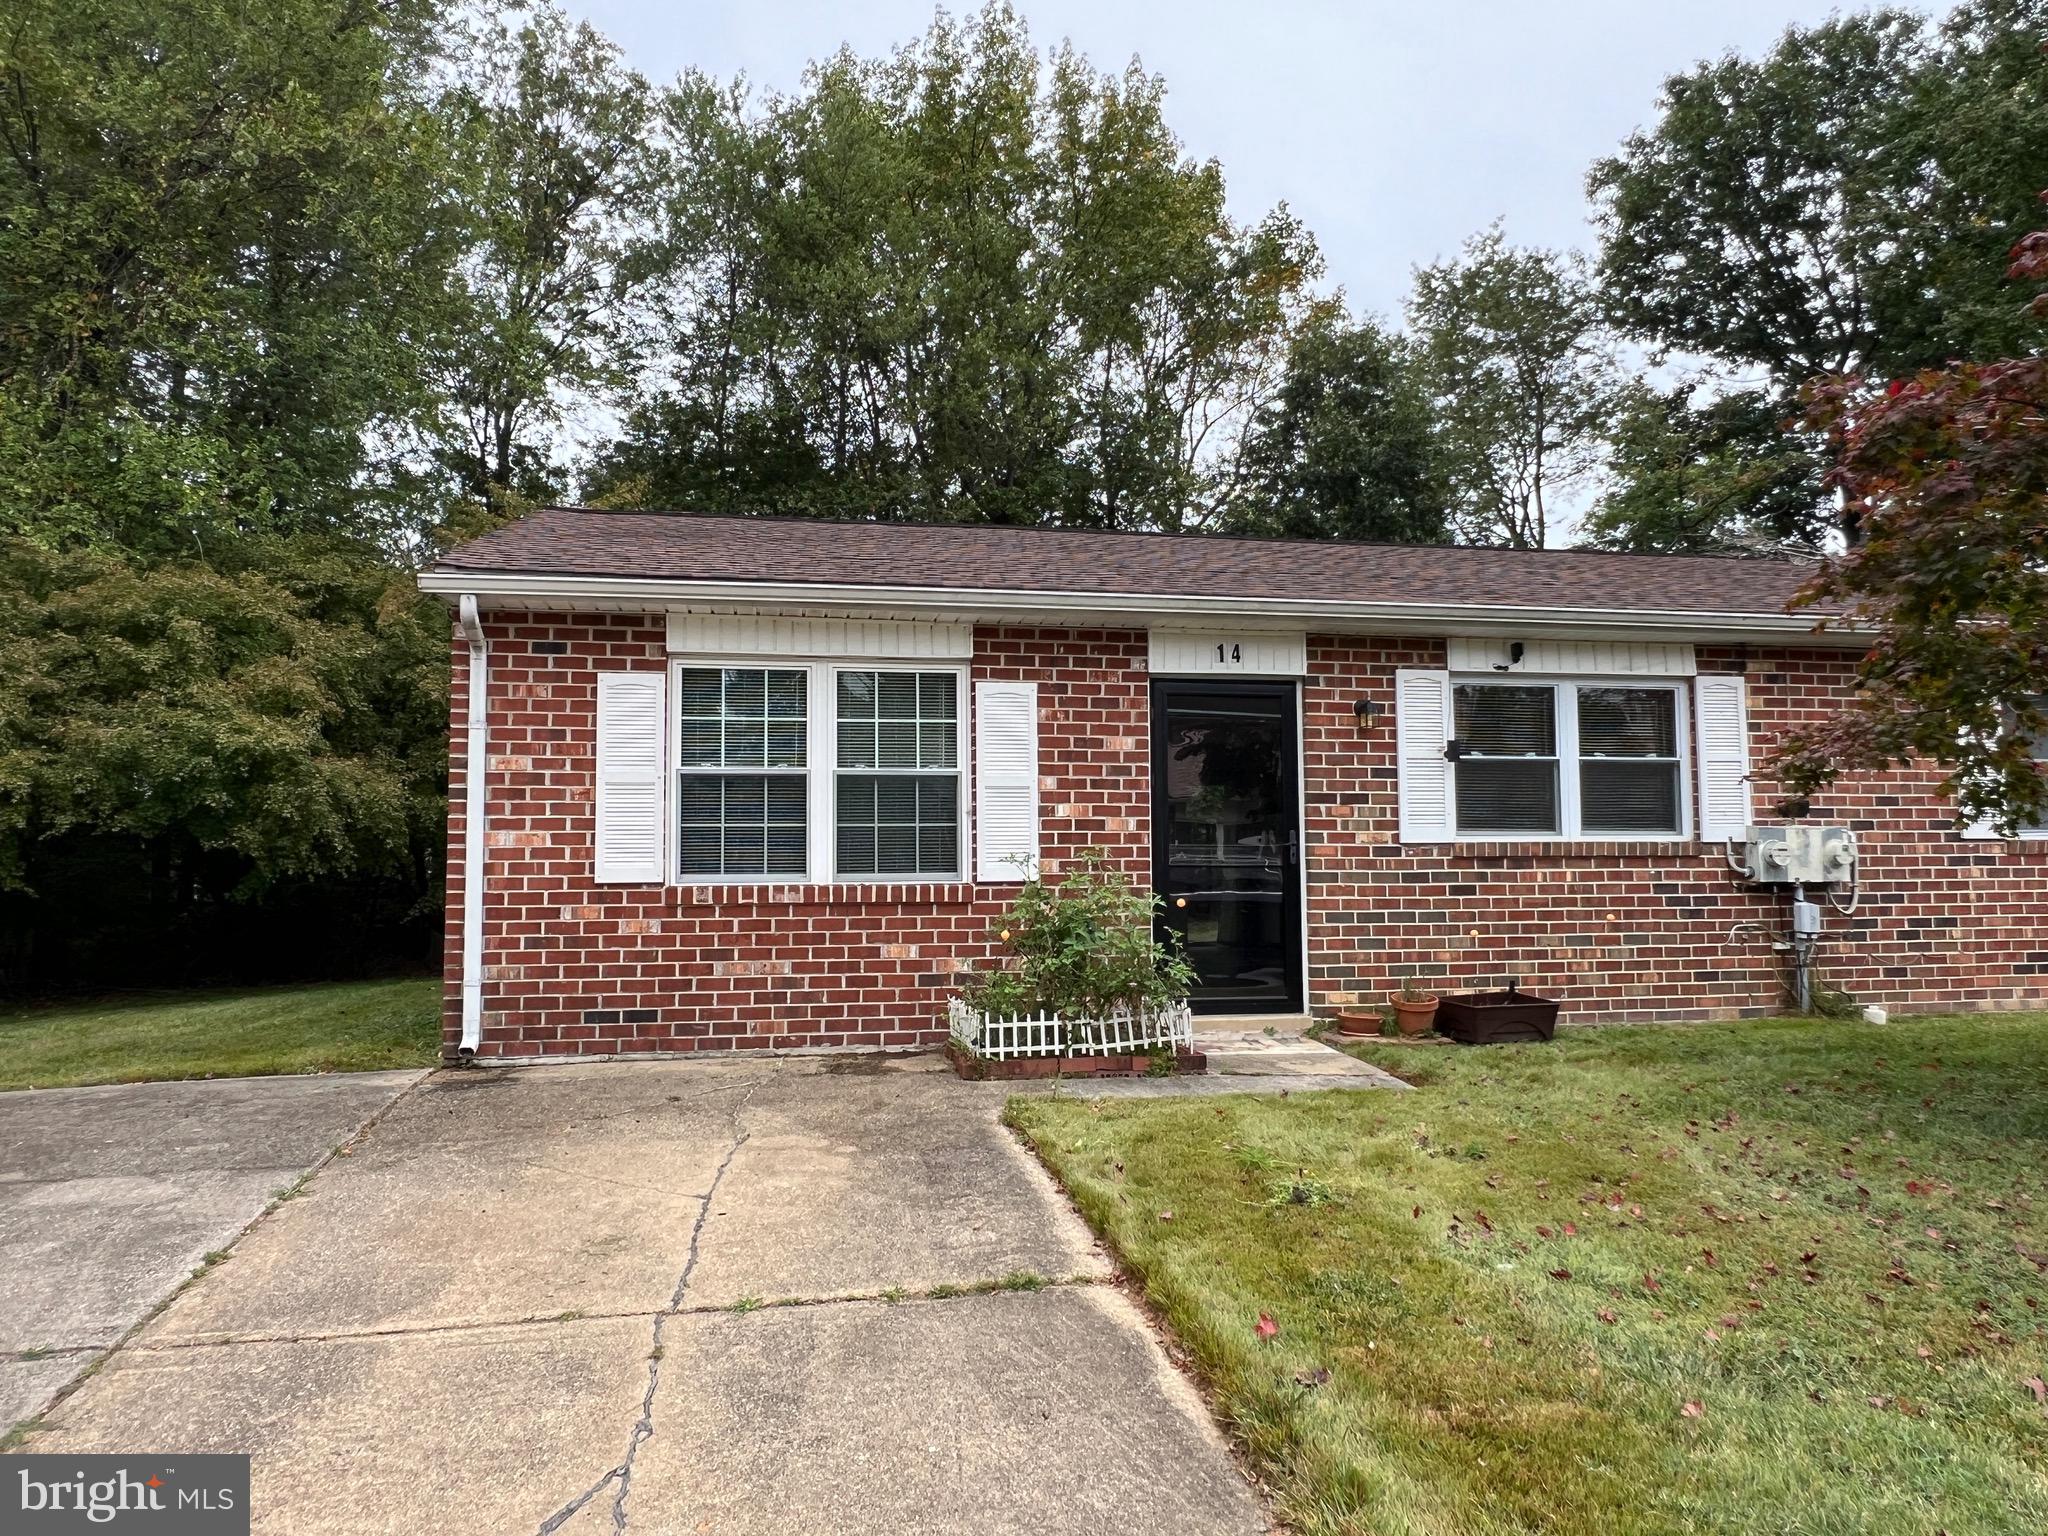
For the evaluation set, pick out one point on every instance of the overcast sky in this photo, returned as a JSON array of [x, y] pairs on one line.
[[1393, 129]]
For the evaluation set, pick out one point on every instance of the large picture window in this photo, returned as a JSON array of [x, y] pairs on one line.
[[756, 798], [1568, 760]]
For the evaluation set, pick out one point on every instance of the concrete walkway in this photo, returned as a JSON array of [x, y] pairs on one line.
[[110, 1197], [817, 1295], [1277, 1059]]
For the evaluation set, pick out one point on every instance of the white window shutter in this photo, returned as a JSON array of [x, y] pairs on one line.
[[1422, 729], [631, 735], [1005, 780], [1723, 711]]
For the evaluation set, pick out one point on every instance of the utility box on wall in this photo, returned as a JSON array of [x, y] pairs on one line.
[[1799, 855]]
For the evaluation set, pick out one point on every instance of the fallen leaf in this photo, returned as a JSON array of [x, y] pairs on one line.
[[1319, 1377], [1713, 1337], [1692, 1409], [1265, 1328], [1606, 1314], [1166, 1215], [1560, 1274], [1543, 1231], [1650, 1283], [2039, 1388], [1571, 1229], [1415, 1214]]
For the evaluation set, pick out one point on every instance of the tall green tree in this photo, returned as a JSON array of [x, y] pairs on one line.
[[223, 232], [1521, 377], [560, 167], [227, 233], [1836, 205], [1346, 448], [961, 282], [1720, 476], [1948, 472]]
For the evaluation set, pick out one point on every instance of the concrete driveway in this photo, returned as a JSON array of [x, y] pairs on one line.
[[819, 1295], [109, 1197]]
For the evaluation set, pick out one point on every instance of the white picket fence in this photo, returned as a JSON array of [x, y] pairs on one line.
[[1123, 1033]]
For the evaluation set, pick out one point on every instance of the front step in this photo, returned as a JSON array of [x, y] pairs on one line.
[[1253, 1023]]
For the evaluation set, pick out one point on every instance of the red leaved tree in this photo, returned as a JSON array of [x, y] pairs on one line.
[[1946, 477]]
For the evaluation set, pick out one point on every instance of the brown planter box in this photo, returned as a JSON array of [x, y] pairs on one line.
[[1496, 1018], [976, 1069]]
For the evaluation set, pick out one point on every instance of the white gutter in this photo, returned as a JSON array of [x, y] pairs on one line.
[[991, 602], [473, 830]]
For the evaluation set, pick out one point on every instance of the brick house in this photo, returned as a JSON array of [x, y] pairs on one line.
[[728, 783]]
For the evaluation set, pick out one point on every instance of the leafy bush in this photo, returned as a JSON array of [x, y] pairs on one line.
[[1081, 948]]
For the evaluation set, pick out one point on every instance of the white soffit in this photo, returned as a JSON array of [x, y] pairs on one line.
[[746, 634], [1574, 658], [1229, 653]]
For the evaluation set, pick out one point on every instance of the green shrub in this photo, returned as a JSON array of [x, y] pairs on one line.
[[1081, 948]]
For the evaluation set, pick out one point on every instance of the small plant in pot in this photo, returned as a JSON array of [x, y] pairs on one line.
[[1414, 1009]]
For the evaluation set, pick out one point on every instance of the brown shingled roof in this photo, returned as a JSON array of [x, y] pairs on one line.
[[694, 547]]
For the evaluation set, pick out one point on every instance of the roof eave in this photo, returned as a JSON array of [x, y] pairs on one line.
[[526, 590]]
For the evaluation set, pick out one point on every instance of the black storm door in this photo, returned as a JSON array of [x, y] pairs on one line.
[[1226, 839]]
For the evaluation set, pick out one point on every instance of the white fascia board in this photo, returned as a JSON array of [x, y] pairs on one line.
[[522, 590]]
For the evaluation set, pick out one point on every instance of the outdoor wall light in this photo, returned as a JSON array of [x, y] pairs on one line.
[[1365, 709]]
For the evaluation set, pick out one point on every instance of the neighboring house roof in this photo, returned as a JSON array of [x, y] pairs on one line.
[[564, 548]]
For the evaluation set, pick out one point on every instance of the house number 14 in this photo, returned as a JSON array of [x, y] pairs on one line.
[[1229, 653]]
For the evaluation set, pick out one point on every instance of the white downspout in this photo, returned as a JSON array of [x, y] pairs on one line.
[[473, 831]]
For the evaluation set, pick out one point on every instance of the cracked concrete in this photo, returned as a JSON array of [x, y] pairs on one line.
[[752, 1295], [110, 1197]]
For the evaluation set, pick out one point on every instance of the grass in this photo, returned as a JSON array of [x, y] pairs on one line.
[[348, 1027], [1786, 1276]]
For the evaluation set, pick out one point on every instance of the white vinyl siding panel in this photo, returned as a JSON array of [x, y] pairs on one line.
[[1227, 653], [1574, 658], [1005, 781], [741, 634], [631, 817]]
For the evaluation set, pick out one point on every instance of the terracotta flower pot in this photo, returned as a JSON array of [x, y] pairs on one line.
[[1358, 1023], [1414, 1018]]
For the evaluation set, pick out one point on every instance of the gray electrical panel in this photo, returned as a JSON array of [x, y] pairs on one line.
[[1799, 855]]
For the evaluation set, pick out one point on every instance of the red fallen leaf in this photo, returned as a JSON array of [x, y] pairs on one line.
[[1915, 1187], [1543, 1231], [1571, 1229], [1480, 1217], [1808, 1258], [1560, 1274], [1415, 1214], [1650, 1283], [1708, 1255], [1606, 1314], [1692, 1409], [1265, 1328], [2039, 1388]]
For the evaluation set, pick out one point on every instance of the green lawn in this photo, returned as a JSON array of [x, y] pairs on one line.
[[347, 1027], [1785, 1276]]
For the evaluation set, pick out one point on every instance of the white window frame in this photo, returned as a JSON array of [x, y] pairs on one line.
[[1565, 696], [821, 765], [2039, 833]]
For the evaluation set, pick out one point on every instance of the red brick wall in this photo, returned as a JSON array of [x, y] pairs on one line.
[[1641, 930], [1628, 931], [573, 967]]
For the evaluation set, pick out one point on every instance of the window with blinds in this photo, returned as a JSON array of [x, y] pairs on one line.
[[1628, 760], [897, 790], [1568, 759], [742, 782], [1507, 758]]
